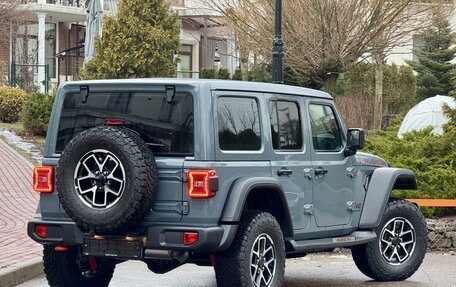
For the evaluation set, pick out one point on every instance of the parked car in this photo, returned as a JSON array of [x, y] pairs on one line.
[[237, 175]]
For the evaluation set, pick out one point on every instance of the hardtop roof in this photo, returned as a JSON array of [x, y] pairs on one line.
[[221, 85]]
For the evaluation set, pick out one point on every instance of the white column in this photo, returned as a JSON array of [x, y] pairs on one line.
[[41, 49]]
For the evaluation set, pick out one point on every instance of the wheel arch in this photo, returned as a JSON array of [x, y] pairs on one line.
[[260, 193], [383, 181]]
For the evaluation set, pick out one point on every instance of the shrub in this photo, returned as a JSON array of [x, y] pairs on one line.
[[432, 158], [237, 76], [209, 73], [11, 102], [260, 73], [223, 74], [36, 113]]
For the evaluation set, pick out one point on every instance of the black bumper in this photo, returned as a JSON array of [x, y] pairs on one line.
[[210, 239]]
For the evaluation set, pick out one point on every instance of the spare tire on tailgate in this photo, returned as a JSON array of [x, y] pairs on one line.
[[106, 179]]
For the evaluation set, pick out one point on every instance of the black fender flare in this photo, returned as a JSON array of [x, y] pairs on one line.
[[240, 191], [382, 182]]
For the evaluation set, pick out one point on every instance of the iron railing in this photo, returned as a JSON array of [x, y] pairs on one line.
[[69, 3]]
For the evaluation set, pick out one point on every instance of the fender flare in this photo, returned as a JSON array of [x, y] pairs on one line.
[[382, 182], [239, 192]]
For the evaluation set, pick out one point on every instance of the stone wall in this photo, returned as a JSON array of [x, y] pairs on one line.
[[442, 233]]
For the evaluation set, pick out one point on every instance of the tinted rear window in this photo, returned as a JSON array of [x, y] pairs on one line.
[[167, 128], [238, 124]]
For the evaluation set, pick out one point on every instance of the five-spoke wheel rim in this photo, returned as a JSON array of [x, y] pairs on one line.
[[397, 241], [99, 179], [262, 261]]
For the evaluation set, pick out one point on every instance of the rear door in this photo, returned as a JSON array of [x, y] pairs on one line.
[[290, 157]]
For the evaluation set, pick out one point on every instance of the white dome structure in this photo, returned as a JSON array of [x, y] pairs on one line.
[[427, 113]]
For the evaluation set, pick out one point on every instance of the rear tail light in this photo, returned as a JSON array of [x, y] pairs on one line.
[[41, 231], [202, 183], [43, 179], [190, 238]]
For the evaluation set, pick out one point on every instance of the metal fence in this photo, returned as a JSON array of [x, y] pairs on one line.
[[71, 3], [26, 77]]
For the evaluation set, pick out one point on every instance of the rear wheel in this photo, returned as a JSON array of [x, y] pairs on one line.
[[72, 269], [401, 245], [257, 255]]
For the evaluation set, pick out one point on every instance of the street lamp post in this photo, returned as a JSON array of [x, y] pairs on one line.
[[277, 46]]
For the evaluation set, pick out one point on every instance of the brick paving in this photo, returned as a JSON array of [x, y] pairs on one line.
[[18, 203]]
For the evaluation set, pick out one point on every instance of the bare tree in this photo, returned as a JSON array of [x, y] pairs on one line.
[[10, 11], [324, 37]]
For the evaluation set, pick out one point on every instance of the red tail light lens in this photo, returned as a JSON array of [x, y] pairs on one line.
[[190, 238], [41, 230], [43, 179], [202, 183]]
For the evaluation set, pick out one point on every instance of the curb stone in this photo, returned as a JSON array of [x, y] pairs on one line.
[[21, 272]]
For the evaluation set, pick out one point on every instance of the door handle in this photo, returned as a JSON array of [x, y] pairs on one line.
[[320, 171], [284, 171]]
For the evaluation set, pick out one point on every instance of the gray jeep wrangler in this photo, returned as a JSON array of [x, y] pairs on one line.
[[236, 175]]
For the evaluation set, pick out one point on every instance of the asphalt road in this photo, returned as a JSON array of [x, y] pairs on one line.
[[315, 270]]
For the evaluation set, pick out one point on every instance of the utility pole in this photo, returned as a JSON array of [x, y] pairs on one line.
[[277, 46]]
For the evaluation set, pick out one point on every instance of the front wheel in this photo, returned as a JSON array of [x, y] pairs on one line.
[[256, 258], [71, 269], [401, 245]]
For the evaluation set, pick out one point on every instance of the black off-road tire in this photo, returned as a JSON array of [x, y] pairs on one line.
[[141, 179], [63, 269], [369, 259], [233, 265]]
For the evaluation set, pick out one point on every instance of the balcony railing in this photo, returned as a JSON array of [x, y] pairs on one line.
[[69, 3]]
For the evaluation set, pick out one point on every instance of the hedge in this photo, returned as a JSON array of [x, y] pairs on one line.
[[431, 157]]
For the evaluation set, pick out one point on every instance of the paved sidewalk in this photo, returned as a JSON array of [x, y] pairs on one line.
[[18, 203]]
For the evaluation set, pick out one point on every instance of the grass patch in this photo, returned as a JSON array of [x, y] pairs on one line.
[[22, 152], [19, 129]]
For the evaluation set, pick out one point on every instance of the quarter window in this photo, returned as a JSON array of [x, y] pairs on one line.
[[326, 133], [285, 125], [238, 124]]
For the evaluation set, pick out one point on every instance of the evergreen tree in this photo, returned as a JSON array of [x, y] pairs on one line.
[[433, 65], [140, 41]]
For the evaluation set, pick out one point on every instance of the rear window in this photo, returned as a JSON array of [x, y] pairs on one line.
[[238, 124], [167, 128]]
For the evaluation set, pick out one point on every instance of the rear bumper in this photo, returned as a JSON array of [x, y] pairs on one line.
[[210, 239]]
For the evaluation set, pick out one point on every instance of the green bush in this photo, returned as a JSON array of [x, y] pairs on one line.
[[432, 158], [11, 102], [208, 73], [260, 73], [223, 74], [237, 76], [36, 113]]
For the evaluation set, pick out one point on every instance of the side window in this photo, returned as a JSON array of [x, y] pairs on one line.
[[326, 133], [238, 124], [285, 125]]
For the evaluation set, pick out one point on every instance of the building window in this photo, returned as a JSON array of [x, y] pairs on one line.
[[418, 43], [238, 124], [25, 45], [185, 64]]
